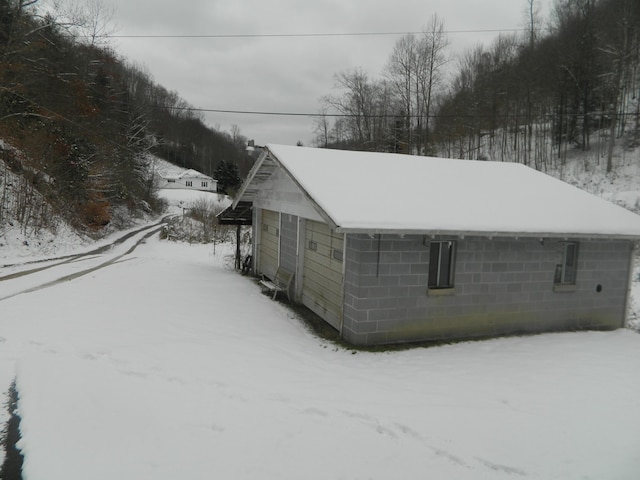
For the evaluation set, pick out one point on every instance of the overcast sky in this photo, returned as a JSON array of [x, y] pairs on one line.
[[284, 74]]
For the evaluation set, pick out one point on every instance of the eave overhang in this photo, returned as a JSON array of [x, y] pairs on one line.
[[486, 234], [261, 170], [240, 215]]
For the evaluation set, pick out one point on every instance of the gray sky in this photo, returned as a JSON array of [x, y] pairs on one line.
[[290, 74]]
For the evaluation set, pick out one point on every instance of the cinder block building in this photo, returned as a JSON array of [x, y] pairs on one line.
[[394, 248]]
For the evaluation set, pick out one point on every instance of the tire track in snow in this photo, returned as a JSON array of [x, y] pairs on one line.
[[77, 256], [153, 229]]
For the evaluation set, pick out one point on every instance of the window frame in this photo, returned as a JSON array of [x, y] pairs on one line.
[[566, 273], [440, 283]]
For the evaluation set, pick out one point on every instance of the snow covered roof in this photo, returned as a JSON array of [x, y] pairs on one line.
[[191, 173], [163, 168], [168, 170], [391, 193]]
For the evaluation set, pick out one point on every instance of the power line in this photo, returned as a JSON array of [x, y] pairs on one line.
[[308, 35], [251, 112], [387, 115]]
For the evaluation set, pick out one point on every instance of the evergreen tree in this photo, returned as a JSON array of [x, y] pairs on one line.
[[228, 177]]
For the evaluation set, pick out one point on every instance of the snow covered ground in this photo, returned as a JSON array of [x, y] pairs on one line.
[[178, 199], [167, 364]]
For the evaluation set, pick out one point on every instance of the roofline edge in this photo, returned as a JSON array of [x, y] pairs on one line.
[[249, 179], [471, 233]]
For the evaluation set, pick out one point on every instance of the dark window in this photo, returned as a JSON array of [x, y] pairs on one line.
[[566, 272], [313, 245], [189, 183], [267, 229], [205, 184], [337, 254], [441, 264]]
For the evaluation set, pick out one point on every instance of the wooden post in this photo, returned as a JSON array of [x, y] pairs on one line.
[[238, 260]]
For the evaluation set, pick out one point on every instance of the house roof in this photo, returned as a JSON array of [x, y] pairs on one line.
[[178, 173], [391, 193], [191, 173]]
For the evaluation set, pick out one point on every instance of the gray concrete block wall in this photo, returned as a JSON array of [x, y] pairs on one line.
[[502, 286]]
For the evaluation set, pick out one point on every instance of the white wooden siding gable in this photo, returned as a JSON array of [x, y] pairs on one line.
[[259, 188], [280, 194]]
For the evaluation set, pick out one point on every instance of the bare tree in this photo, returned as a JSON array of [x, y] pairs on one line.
[[619, 49], [434, 43], [356, 103], [91, 21], [533, 21], [402, 73], [415, 72], [322, 127]]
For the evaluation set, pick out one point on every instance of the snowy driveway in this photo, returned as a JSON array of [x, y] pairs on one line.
[[170, 365], [27, 276]]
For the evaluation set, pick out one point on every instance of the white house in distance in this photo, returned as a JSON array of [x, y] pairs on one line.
[[393, 248], [188, 179]]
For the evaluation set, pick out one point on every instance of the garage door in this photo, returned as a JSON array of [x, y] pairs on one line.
[[269, 242], [322, 276]]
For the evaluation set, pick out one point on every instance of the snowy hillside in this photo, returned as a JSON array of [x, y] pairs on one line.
[[622, 186], [48, 234], [28, 227]]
